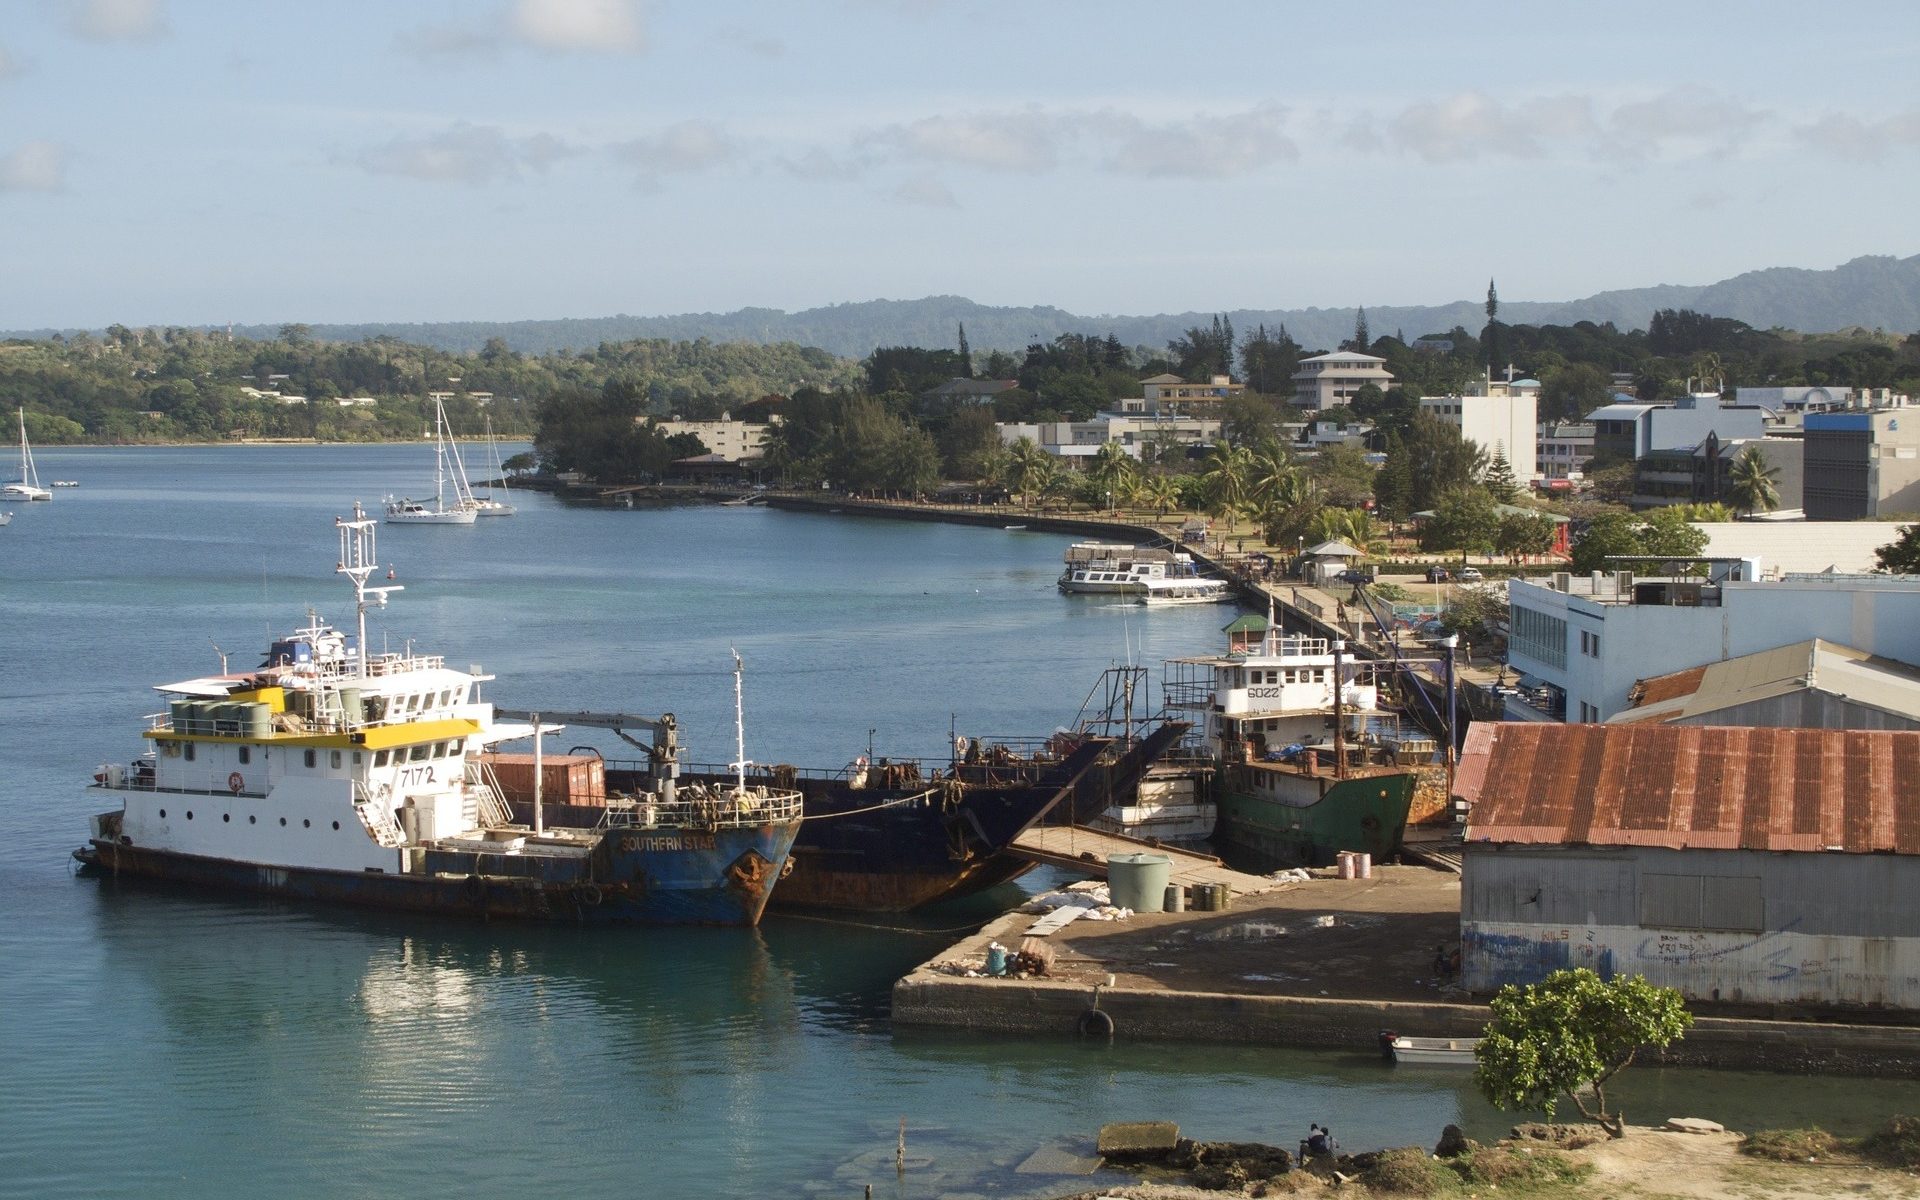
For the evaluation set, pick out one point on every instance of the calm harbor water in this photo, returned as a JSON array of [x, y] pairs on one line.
[[162, 1043]]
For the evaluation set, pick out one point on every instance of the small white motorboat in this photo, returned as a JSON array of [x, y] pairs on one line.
[[1429, 1051]]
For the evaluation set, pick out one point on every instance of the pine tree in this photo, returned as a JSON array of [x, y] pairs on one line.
[[1361, 338], [1499, 478], [966, 354], [1393, 486], [1490, 336]]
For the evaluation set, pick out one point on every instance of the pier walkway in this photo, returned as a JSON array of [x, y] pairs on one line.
[[1084, 850]]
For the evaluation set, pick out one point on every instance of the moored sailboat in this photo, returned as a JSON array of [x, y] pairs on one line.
[[448, 478], [27, 487]]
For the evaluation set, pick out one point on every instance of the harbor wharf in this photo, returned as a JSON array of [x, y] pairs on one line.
[[1324, 963]]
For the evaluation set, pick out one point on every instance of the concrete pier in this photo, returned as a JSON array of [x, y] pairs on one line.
[[1326, 963]]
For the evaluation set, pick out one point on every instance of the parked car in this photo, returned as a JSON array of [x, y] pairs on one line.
[[1469, 575], [1359, 576], [1437, 574]]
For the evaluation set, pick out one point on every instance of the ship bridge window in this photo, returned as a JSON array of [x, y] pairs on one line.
[[380, 758], [333, 759], [357, 757], [418, 753], [445, 698], [246, 754], [459, 745], [312, 757]]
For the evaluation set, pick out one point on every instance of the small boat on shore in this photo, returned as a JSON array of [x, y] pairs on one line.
[[334, 774], [1429, 1051]]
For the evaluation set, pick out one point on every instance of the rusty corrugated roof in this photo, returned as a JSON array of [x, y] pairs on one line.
[[1668, 687], [1685, 786]]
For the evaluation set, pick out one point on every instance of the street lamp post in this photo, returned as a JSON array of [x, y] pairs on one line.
[[1451, 641]]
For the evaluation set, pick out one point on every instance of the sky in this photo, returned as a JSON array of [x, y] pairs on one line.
[[200, 162]]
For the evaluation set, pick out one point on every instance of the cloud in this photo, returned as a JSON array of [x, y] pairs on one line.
[[600, 26], [1033, 141], [1202, 147], [447, 41], [1688, 121], [1467, 126], [1027, 141], [678, 149], [821, 165], [469, 154], [1471, 125], [117, 20], [34, 167], [1851, 139], [925, 191], [753, 42]]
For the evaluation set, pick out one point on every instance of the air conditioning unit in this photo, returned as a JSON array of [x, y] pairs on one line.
[[1563, 581]]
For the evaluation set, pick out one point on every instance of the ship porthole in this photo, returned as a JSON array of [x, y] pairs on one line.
[[336, 826], [163, 814], [225, 818], [283, 822], [250, 820], [189, 814], [305, 824]]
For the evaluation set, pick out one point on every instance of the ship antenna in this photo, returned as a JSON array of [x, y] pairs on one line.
[[357, 562], [739, 728], [1268, 638]]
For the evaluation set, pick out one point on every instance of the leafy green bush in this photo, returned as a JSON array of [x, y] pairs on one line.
[[1511, 1166]]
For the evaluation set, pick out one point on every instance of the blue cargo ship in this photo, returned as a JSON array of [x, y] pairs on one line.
[[331, 774]]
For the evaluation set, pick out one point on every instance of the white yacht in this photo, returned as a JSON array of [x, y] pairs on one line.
[[27, 487], [487, 506], [452, 502]]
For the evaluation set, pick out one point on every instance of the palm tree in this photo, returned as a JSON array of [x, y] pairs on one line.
[[1028, 469], [1161, 492], [1111, 470], [1750, 483], [1226, 478]]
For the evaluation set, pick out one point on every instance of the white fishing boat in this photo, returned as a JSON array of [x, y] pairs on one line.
[[1105, 568], [1197, 590], [6, 518], [1431, 1051], [452, 502], [27, 487], [331, 772], [486, 505], [66, 483]]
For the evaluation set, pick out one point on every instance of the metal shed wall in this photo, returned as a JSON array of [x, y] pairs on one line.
[[1827, 929]]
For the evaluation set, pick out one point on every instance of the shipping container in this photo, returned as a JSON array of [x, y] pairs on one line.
[[566, 778]]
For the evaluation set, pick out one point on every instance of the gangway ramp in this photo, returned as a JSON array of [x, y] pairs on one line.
[[1077, 848]]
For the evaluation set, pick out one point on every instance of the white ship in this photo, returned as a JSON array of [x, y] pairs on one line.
[[332, 773], [27, 487], [452, 502]]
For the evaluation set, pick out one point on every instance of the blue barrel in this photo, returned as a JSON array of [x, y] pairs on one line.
[[1138, 881], [996, 960]]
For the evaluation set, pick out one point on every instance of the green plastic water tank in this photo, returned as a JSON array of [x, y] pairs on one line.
[[1138, 881]]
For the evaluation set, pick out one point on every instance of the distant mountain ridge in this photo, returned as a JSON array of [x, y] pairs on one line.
[[1876, 291]]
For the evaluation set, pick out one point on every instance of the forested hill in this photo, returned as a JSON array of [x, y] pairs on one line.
[[1878, 292]]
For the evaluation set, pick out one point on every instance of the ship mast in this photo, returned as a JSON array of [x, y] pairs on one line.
[[358, 562], [739, 729]]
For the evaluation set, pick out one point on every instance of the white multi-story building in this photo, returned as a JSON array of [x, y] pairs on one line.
[[1501, 416], [1563, 452], [730, 439], [1331, 380], [1581, 642], [1136, 432]]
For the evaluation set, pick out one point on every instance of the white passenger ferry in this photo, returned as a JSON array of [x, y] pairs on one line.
[[1104, 568], [332, 773]]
